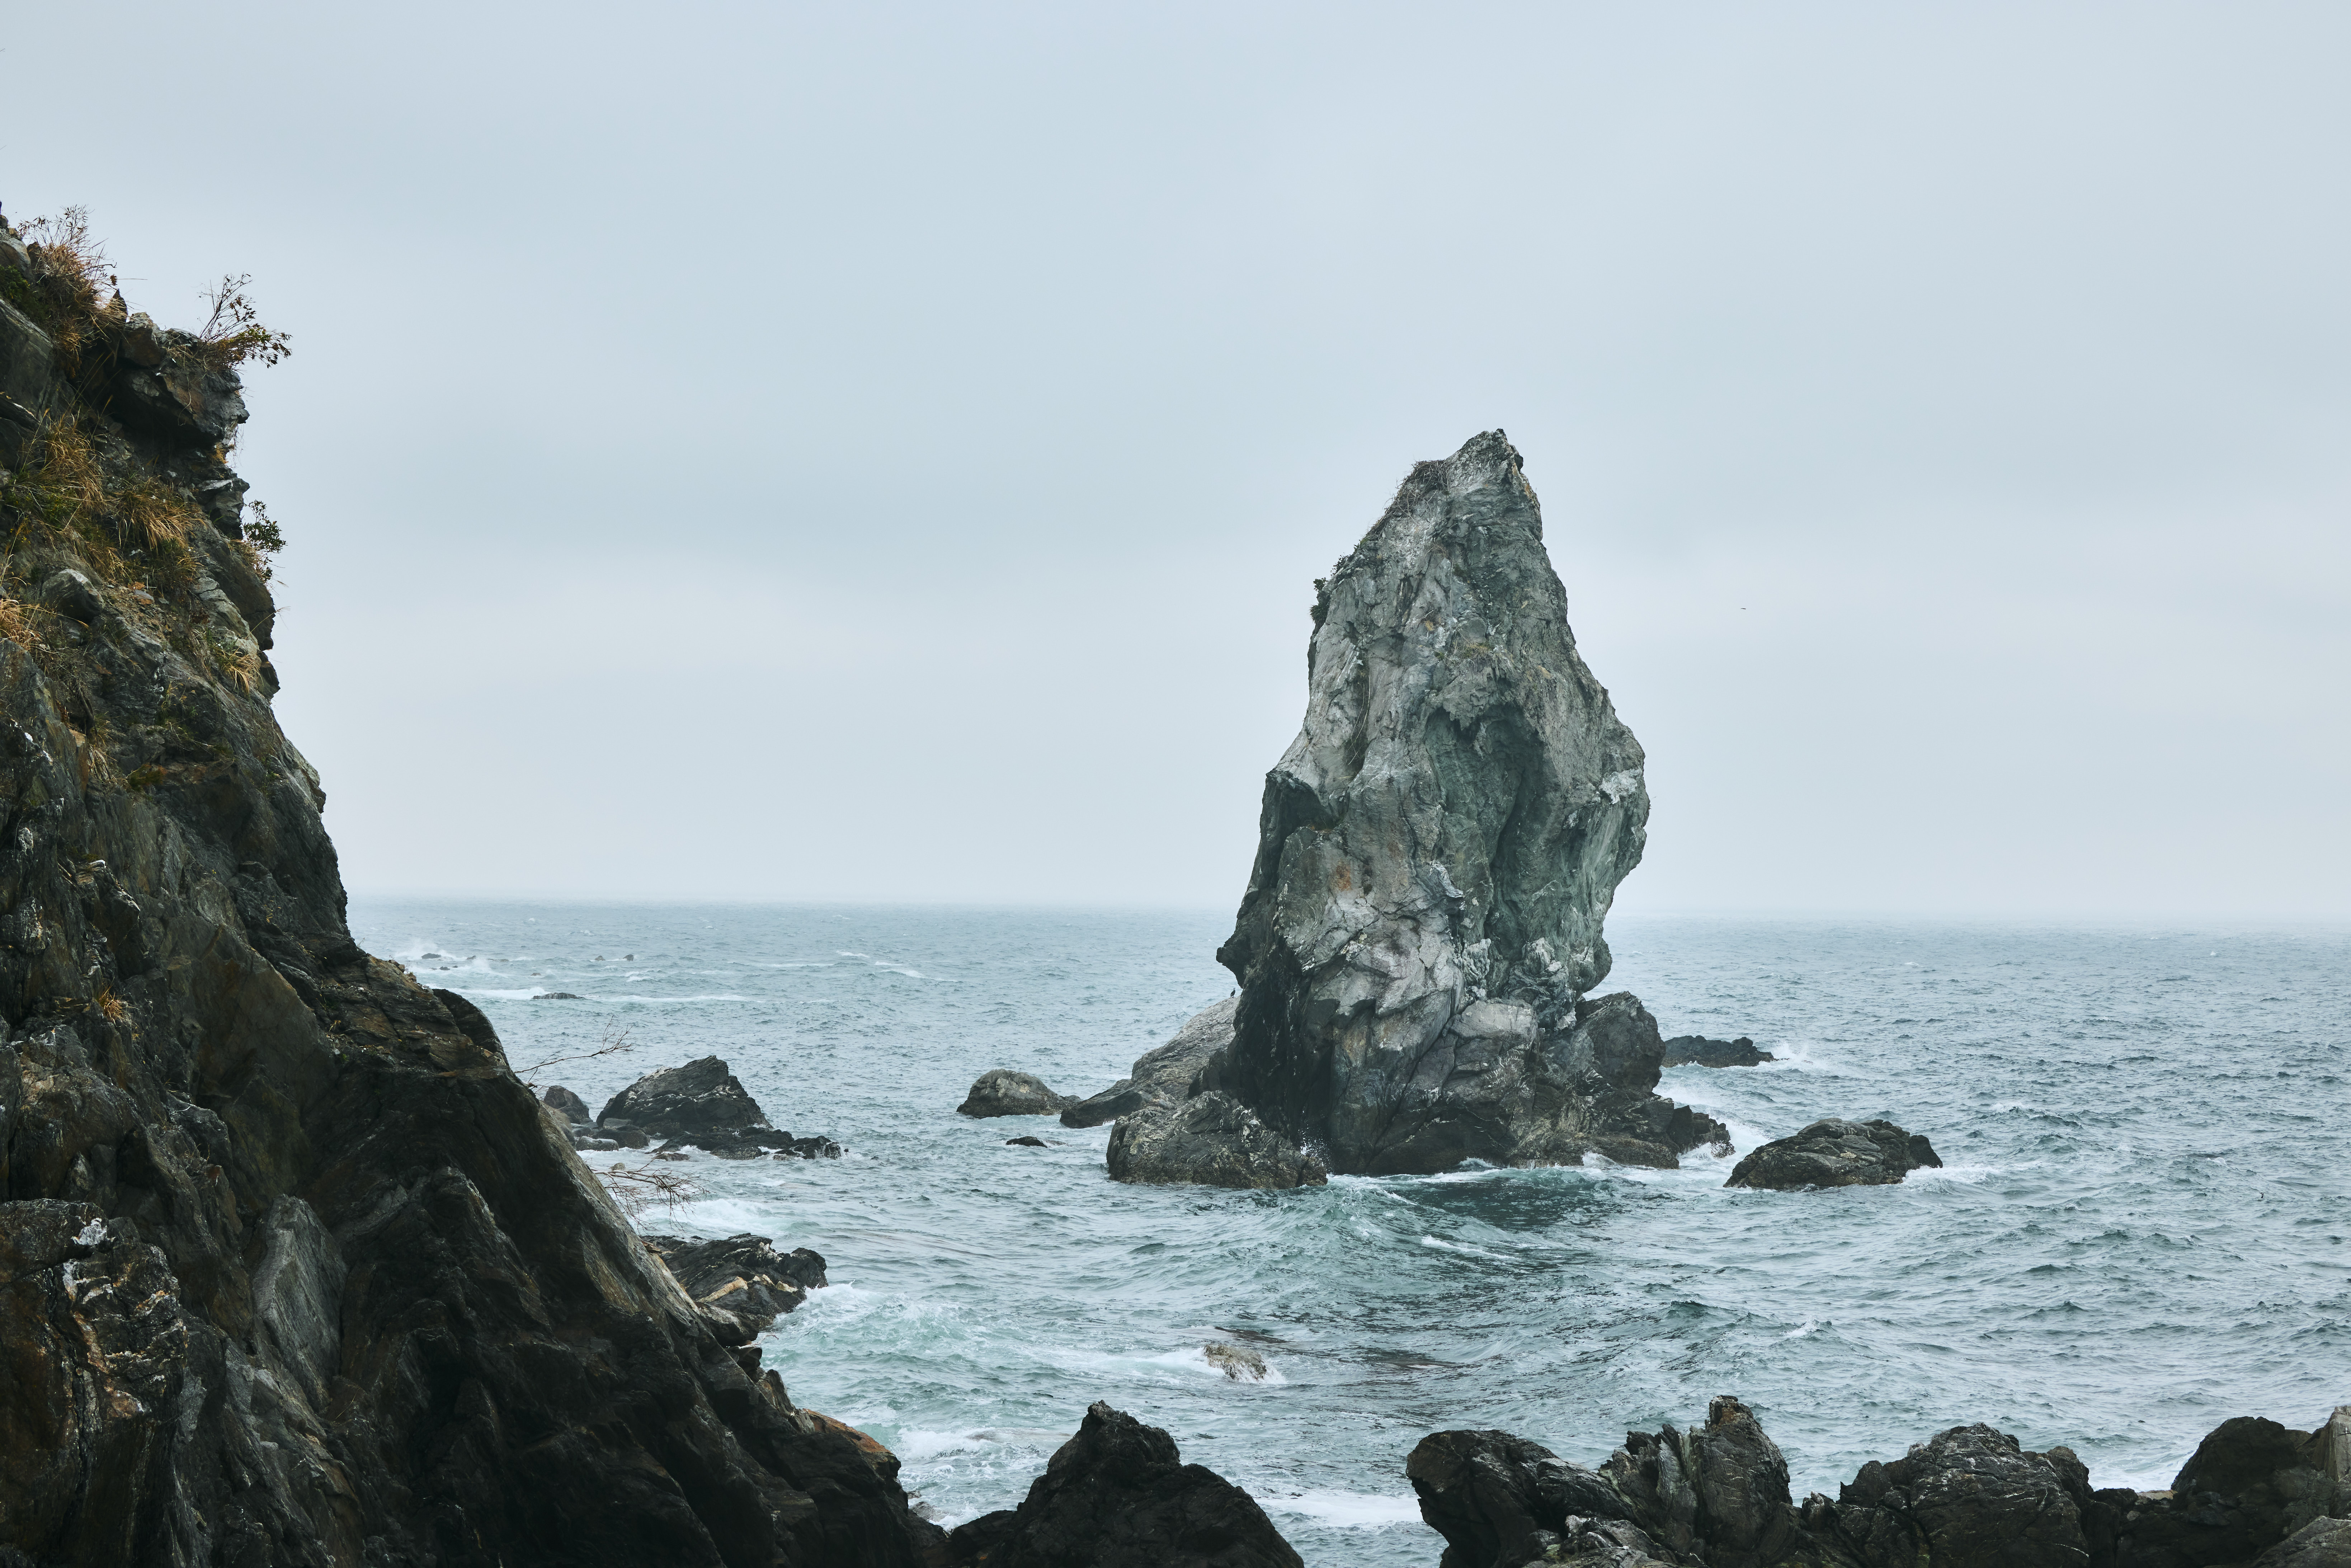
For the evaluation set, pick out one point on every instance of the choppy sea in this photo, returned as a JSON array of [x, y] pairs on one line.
[[2139, 1229]]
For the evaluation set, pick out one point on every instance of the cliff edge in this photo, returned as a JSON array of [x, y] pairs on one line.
[[292, 1269]]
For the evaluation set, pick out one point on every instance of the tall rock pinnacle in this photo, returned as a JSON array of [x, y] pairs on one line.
[[1437, 849]]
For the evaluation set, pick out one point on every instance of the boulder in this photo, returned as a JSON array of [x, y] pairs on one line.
[[1000, 1091], [573, 1108], [1163, 1072], [741, 1283], [2324, 1543], [1437, 851], [2251, 1486], [1237, 1361], [1966, 1498], [1697, 1050], [1213, 1140], [1835, 1153], [700, 1102], [1118, 1495]]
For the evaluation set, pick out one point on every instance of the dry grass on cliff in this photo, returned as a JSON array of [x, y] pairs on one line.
[[73, 270], [151, 515]]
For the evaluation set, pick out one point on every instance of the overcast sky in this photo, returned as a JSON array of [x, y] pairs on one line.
[[883, 453]]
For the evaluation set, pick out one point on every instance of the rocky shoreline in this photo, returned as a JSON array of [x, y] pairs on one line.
[[295, 1269]]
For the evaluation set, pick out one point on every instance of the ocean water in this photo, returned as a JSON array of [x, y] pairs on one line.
[[2140, 1229]]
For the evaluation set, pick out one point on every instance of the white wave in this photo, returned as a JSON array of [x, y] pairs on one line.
[[1808, 1326], [1444, 1246], [1347, 1509], [1967, 1176], [2139, 1480]]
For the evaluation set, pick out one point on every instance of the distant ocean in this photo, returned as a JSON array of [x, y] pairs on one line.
[[2139, 1229]]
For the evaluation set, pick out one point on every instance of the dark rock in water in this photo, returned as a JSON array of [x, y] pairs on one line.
[[1835, 1153], [809, 1149], [1025, 1141], [1211, 1139], [559, 997], [1000, 1091], [742, 1283], [574, 1108], [1500, 1501], [1163, 1072], [1118, 1495], [1969, 1497], [1237, 1361], [1697, 1050], [700, 1102], [2251, 1487], [1437, 853]]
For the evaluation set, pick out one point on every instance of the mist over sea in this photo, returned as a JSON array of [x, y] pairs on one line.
[[2138, 1231]]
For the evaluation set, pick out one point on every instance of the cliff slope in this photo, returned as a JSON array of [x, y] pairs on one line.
[[292, 1268]]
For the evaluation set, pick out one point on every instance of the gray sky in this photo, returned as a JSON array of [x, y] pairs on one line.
[[882, 453]]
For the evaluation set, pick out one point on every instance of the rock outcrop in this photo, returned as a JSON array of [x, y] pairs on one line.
[[741, 1282], [1164, 1072], [1697, 1050], [292, 1269], [1835, 1153], [1211, 1140], [1000, 1091], [1437, 853], [1969, 1497], [1118, 1495], [701, 1103]]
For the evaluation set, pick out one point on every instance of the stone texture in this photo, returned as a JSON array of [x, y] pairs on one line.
[[1000, 1091], [292, 1269], [741, 1283], [1163, 1072], [1835, 1153], [1118, 1495], [572, 1108], [1437, 851], [1969, 1497], [701, 1104], [1212, 1139], [1697, 1050]]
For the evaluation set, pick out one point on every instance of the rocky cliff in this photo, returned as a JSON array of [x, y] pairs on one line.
[[1437, 853], [292, 1269]]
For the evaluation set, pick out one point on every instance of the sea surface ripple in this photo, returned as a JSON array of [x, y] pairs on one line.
[[2138, 1231]]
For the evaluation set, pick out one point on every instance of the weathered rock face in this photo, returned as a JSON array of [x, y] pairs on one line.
[[1211, 1140], [1163, 1072], [1967, 1497], [1438, 849], [1000, 1091], [1118, 1495], [1697, 1050], [292, 1269], [1835, 1153]]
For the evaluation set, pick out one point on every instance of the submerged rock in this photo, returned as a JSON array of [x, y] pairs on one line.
[[1237, 1361], [1211, 1139], [1025, 1142], [1118, 1495], [1000, 1091], [1437, 853], [1835, 1153], [1163, 1072], [1697, 1050]]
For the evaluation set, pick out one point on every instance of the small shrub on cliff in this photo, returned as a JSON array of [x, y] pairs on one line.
[[263, 539], [233, 333]]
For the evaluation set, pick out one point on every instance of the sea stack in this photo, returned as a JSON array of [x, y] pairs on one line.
[[1437, 853]]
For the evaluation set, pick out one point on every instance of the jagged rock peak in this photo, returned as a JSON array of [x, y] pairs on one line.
[[1440, 846]]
